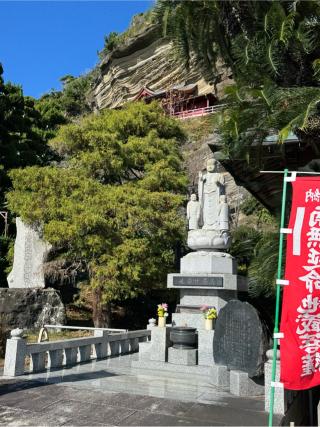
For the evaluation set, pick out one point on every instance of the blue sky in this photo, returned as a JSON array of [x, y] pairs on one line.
[[41, 41]]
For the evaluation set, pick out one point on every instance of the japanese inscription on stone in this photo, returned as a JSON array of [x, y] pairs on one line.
[[212, 282], [240, 340]]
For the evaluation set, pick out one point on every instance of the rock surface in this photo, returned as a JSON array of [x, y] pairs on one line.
[[30, 308], [30, 253], [146, 60]]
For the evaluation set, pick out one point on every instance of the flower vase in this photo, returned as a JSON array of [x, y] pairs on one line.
[[208, 324], [161, 322]]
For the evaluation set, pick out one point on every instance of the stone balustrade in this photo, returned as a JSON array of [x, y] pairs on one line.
[[56, 354]]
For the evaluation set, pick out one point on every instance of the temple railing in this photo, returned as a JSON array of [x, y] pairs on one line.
[[57, 354], [197, 112]]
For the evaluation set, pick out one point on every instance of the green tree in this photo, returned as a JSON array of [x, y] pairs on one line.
[[273, 51], [73, 98], [114, 203], [110, 43], [51, 113], [22, 142]]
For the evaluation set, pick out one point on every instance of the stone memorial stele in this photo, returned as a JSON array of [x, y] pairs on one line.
[[30, 253], [240, 340]]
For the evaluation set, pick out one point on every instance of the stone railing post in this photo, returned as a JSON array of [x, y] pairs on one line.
[[151, 324], [15, 354], [101, 350], [280, 404]]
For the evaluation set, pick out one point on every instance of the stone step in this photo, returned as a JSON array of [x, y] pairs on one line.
[[165, 366]]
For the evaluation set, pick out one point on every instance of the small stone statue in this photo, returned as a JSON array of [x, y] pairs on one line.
[[193, 212], [224, 214], [211, 186]]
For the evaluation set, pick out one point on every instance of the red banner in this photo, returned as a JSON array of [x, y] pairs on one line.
[[300, 318]]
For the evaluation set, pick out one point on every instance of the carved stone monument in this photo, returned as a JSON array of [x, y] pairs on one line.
[[30, 252], [240, 341], [208, 275]]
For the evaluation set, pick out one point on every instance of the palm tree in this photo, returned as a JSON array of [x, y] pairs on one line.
[[273, 51]]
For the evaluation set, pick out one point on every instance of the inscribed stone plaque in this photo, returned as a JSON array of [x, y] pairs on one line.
[[240, 339], [208, 281]]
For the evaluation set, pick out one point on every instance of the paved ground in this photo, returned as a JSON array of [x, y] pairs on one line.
[[109, 392]]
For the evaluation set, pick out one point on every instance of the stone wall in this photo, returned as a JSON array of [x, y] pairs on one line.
[[30, 308]]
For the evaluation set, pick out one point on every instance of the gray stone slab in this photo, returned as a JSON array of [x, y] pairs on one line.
[[206, 262], [205, 347], [144, 347], [187, 357], [88, 398], [16, 416], [280, 395], [28, 401], [104, 414], [220, 376], [160, 341], [194, 320], [15, 356], [242, 385], [165, 367], [142, 418], [228, 415], [212, 297]]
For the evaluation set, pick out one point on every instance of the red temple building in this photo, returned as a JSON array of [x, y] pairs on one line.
[[181, 101]]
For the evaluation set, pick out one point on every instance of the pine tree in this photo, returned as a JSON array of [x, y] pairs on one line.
[[114, 202]]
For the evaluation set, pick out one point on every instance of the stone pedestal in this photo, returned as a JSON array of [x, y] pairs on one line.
[[280, 395], [206, 262], [15, 354], [206, 278], [220, 376], [178, 356], [242, 385], [157, 348]]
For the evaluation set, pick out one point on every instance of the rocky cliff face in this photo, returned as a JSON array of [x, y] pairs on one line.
[[146, 60], [30, 308]]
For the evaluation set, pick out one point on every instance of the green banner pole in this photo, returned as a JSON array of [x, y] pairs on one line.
[[278, 294]]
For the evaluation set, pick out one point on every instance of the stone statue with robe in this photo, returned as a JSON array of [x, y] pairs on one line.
[[211, 186], [209, 217]]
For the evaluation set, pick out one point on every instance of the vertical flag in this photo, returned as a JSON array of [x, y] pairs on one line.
[[300, 318]]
